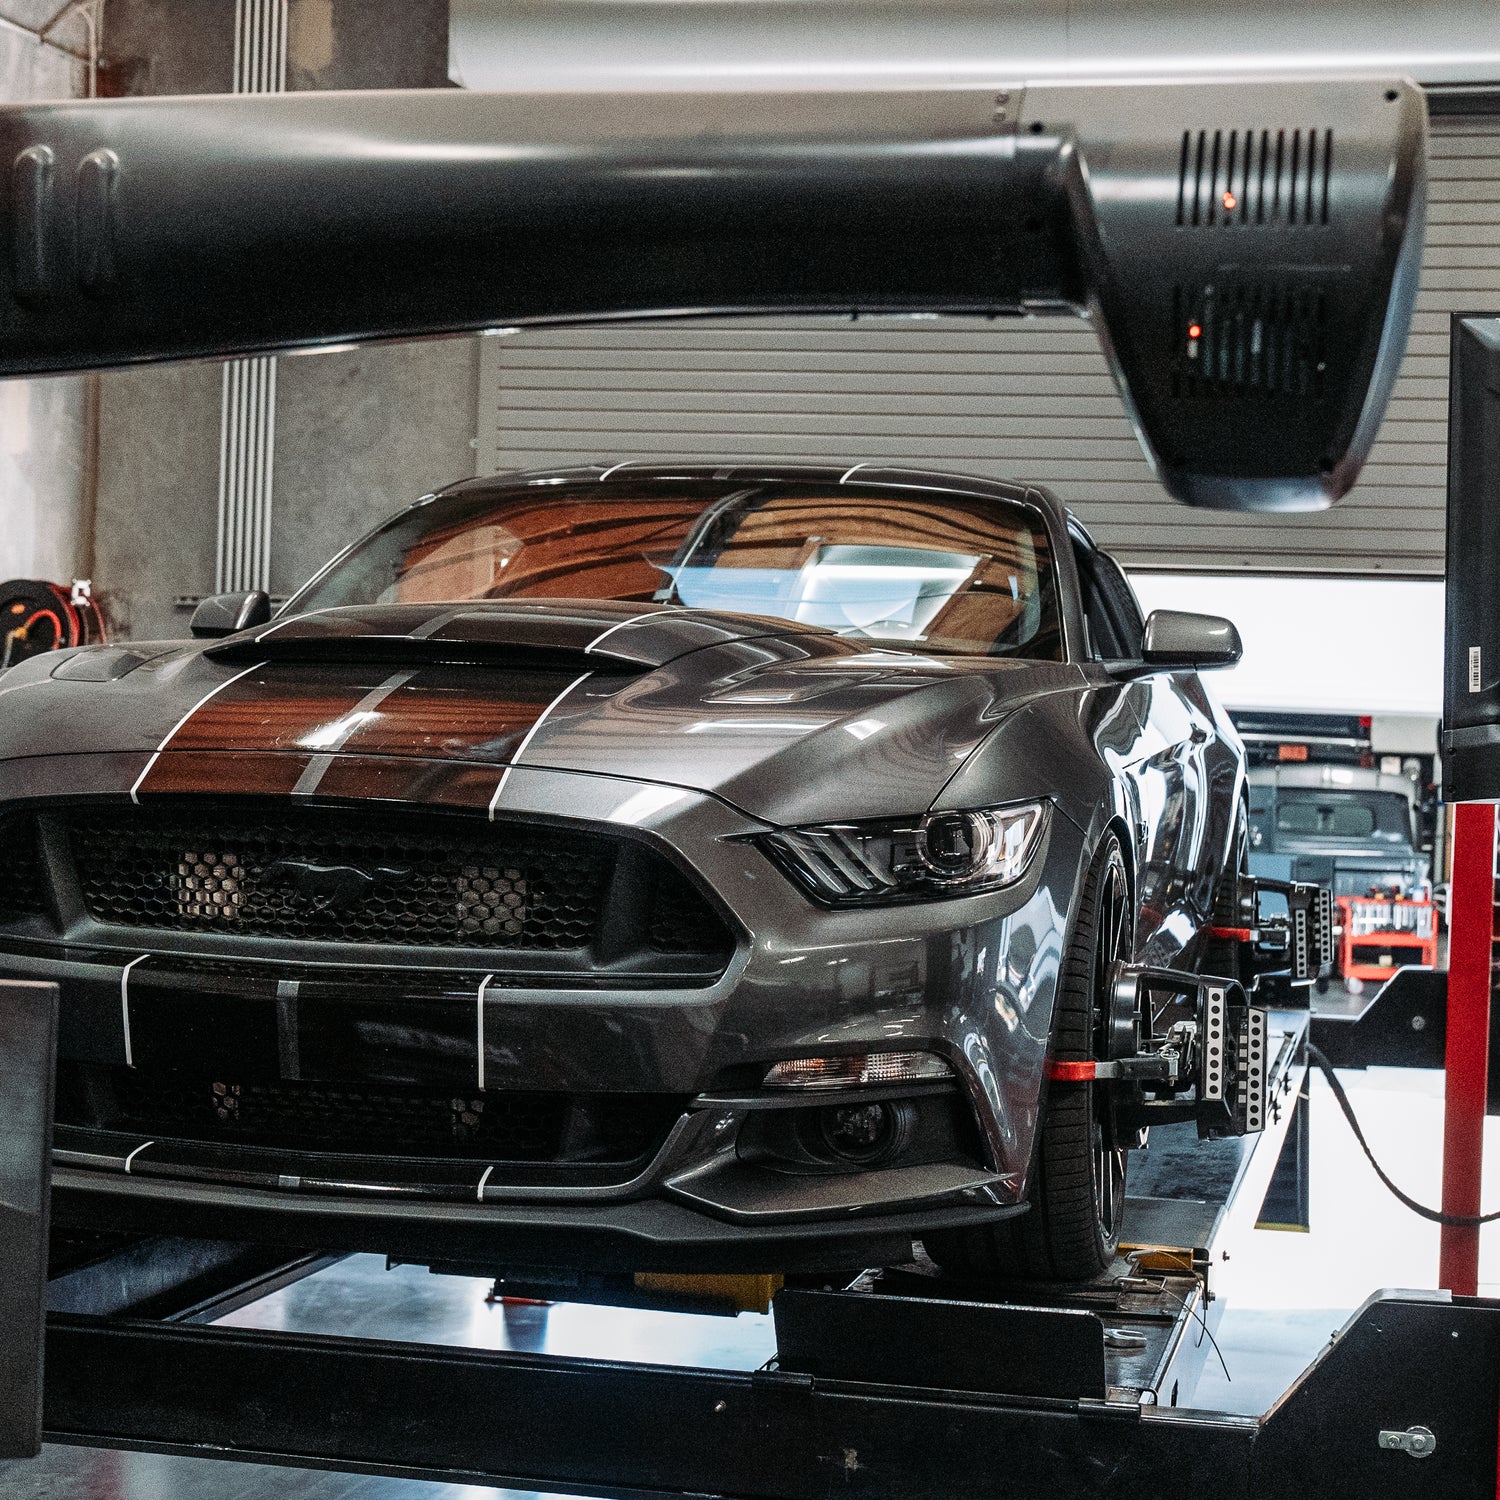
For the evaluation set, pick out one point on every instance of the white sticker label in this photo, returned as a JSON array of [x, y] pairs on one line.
[[1475, 669]]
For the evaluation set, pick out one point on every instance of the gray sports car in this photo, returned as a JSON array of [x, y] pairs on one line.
[[658, 867]]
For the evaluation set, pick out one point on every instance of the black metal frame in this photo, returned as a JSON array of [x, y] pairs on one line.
[[598, 1427], [898, 1387]]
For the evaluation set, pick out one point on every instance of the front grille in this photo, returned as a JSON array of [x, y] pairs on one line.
[[679, 920], [366, 1119], [391, 879], [22, 892], [323, 1117]]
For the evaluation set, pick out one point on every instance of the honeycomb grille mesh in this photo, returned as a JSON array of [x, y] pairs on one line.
[[370, 1119], [322, 1117], [679, 920], [345, 877], [22, 892]]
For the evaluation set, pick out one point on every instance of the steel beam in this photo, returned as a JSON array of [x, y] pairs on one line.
[[591, 1426], [1406, 1362]]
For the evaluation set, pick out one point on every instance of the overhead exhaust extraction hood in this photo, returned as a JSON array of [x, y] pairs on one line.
[[1248, 249]]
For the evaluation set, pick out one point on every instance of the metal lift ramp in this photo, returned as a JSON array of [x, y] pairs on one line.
[[903, 1385]]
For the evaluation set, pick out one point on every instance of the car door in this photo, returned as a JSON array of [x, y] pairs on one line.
[[1164, 771]]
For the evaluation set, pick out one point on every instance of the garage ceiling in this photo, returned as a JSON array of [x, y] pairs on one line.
[[1017, 398]]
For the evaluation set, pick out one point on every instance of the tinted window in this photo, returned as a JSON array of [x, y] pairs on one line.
[[1123, 606], [905, 568], [1109, 606], [1337, 815]]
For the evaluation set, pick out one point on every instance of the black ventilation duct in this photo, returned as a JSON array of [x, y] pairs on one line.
[[1249, 249]]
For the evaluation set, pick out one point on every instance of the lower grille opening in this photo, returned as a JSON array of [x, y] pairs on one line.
[[21, 880], [367, 1120]]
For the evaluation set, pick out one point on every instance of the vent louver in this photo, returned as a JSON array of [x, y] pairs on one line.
[[1232, 179], [1250, 341]]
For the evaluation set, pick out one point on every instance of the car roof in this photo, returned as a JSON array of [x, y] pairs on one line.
[[875, 474]]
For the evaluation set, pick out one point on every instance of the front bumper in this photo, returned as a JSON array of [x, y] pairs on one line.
[[971, 981], [652, 1234]]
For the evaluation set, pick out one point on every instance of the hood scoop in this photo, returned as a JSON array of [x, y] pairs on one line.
[[542, 635]]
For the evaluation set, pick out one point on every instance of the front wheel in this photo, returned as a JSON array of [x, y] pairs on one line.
[[1077, 1189]]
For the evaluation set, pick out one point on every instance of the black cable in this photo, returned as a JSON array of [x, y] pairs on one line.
[[1134, 1258], [1454, 1221]]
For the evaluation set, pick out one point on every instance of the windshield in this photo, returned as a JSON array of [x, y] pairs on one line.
[[917, 568], [1344, 817]]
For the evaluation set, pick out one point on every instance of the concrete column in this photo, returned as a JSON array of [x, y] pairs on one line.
[[349, 436], [44, 432]]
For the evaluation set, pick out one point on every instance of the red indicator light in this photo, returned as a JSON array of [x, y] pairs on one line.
[[1194, 331], [1229, 201]]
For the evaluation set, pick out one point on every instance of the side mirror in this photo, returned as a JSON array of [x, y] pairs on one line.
[[1175, 638], [224, 614]]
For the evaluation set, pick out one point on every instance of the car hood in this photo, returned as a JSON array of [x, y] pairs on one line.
[[788, 722]]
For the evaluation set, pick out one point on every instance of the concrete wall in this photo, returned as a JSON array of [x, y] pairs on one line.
[[357, 433], [159, 427], [158, 496], [367, 44], [42, 493], [364, 431], [361, 433], [168, 47]]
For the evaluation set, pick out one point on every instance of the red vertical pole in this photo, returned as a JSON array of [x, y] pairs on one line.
[[1471, 911]]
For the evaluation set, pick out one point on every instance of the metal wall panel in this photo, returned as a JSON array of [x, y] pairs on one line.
[[1028, 399]]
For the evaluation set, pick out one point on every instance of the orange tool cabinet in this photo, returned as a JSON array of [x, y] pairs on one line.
[[1378, 936]]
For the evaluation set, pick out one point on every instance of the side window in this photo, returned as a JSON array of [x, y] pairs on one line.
[[1126, 610], [1109, 608]]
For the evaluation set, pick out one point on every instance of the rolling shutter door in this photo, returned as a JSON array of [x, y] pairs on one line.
[[1027, 399]]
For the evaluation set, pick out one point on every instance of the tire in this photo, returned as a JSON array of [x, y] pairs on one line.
[[1077, 1187], [1222, 957]]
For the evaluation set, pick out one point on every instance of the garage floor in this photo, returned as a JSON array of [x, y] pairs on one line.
[[1282, 1301]]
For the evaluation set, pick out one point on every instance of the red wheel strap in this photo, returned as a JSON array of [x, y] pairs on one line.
[[1071, 1072]]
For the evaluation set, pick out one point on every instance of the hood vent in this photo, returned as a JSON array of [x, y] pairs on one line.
[[1248, 340], [577, 635], [399, 651], [1242, 179]]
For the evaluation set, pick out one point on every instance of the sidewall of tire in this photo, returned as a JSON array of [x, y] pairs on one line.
[[1060, 1237]]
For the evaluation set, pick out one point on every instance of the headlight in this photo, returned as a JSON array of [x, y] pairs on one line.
[[939, 855]]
